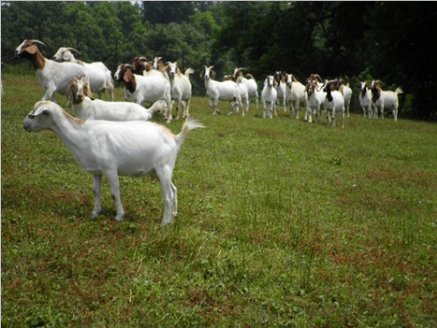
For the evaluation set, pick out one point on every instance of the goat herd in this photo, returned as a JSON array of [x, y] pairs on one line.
[[133, 146], [162, 84]]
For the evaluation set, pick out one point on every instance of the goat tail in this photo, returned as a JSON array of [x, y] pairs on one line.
[[189, 71], [189, 124], [399, 90]]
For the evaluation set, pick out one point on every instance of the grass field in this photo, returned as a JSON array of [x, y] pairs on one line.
[[281, 224]]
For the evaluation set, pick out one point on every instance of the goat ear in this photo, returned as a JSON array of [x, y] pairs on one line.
[[127, 77], [88, 92], [65, 57], [33, 49], [38, 112], [69, 92]]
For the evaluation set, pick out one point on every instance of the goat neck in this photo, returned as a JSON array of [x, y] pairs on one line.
[[330, 86], [31, 52], [376, 93], [129, 79]]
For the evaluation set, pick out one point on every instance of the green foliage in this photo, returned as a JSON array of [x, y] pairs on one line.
[[281, 224]]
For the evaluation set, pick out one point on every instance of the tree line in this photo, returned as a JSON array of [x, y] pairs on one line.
[[389, 41]]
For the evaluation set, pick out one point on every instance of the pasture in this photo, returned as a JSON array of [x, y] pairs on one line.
[[281, 224]]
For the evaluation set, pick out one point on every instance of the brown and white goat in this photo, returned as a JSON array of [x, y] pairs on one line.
[[87, 108], [384, 99], [53, 76], [316, 97], [145, 89]]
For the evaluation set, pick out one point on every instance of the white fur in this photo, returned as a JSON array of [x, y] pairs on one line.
[[335, 105], [134, 149], [250, 84], [181, 89], [295, 95], [244, 96], [346, 91], [365, 98], [280, 86], [316, 97], [269, 96]]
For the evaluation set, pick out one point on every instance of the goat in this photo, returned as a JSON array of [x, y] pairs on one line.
[[224, 91], [269, 96], [99, 75], [134, 149], [158, 64], [295, 92], [180, 87], [334, 101], [249, 82], [280, 85], [365, 98], [145, 89], [85, 107], [383, 99], [53, 76], [141, 66], [346, 91], [316, 97], [244, 96]]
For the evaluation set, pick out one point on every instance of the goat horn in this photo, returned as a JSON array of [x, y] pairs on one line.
[[323, 85], [37, 41], [317, 76], [74, 50]]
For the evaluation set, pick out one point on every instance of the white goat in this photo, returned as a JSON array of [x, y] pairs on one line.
[[99, 75], [334, 101], [346, 91], [269, 96], [249, 82], [158, 64], [53, 76], [295, 92], [365, 98], [224, 91], [316, 97], [145, 89], [383, 99], [244, 96], [84, 107], [180, 87], [134, 149], [280, 86]]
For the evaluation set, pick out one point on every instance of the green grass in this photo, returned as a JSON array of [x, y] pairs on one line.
[[281, 224]]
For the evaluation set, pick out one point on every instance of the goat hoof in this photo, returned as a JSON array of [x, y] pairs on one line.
[[96, 214], [119, 218]]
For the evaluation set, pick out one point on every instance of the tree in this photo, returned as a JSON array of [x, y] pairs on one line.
[[165, 12], [403, 51]]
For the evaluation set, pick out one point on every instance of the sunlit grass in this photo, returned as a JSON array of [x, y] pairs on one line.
[[280, 224]]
